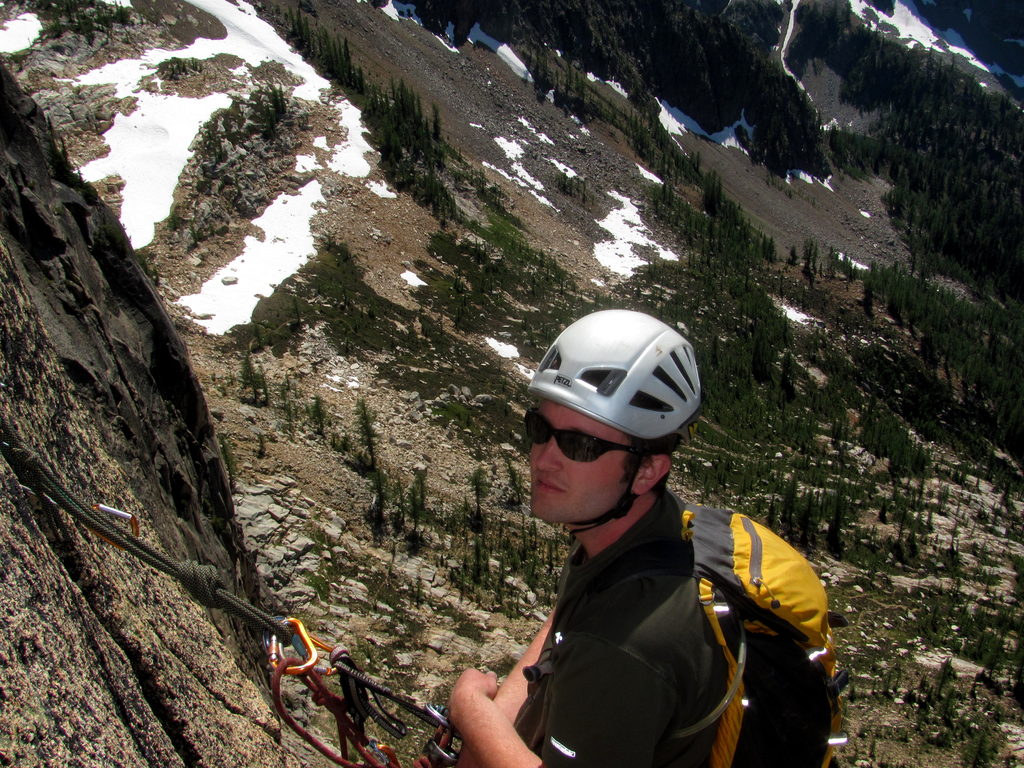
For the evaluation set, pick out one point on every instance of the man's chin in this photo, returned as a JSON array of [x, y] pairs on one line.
[[542, 509]]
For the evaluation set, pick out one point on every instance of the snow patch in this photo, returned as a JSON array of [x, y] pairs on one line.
[[19, 33], [617, 87], [399, 11], [350, 382], [380, 189], [528, 180], [563, 168], [496, 169], [249, 37], [796, 315], [507, 351], [229, 297], [513, 149], [648, 175], [678, 122], [543, 138], [527, 372], [413, 279], [856, 264], [807, 178], [349, 157], [505, 53], [628, 232], [913, 29], [785, 45], [149, 149]]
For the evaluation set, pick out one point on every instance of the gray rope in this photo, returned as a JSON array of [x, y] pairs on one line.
[[201, 581]]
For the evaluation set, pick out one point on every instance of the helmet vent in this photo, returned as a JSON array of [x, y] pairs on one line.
[[553, 359], [649, 403], [682, 370], [663, 376], [604, 380]]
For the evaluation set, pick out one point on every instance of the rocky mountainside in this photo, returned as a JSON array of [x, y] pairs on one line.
[[368, 415], [98, 383], [991, 30]]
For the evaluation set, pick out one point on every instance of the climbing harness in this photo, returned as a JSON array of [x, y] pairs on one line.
[[361, 697]]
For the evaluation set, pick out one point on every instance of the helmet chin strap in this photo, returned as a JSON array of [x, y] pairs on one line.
[[620, 509]]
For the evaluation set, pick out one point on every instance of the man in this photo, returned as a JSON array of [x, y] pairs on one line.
[[625, 671]]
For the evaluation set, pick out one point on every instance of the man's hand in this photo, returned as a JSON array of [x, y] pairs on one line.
[[489, 739], [483, 713], [471, 690]]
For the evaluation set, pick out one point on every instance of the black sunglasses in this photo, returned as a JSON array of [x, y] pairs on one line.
[[575, 446]]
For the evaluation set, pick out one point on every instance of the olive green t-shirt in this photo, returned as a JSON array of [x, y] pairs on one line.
[[626, 666]]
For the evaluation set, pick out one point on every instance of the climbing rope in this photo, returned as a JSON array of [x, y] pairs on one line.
[[351, 710], [201, 581]]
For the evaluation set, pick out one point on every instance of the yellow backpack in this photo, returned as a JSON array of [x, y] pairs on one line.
[[770, 613], [783, 706]]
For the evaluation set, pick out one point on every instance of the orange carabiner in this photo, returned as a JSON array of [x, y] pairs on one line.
[[133, 521], [308, 645]]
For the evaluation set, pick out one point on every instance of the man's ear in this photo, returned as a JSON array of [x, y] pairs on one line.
[[652, 468]]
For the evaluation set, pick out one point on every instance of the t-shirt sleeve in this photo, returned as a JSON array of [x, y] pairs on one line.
[[609, 708]]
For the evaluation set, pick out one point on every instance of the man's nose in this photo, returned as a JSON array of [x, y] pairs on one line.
[[546, 454]]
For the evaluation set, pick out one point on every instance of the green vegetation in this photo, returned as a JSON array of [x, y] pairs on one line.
[[259, 114], [645, 48], [176, 68], [254, 382], [975, 345], [325, 48], [84, 17], [412, 149], [63, 170], [412, 152], [483, 277], [951, 149], [865, 445], [781, 443], [571, 90], [944, 717]]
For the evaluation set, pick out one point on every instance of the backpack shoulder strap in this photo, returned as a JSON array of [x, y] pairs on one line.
[[728, 714], [674, 557], [657, 557]]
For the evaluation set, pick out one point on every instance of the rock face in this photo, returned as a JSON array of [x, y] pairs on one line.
[[107, 661]]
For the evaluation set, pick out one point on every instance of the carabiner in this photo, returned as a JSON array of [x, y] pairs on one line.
[[273, 648], [304, 643], [308, 648], [133, 521], [438, 750]]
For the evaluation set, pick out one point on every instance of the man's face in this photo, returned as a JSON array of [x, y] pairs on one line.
[[565, 491]]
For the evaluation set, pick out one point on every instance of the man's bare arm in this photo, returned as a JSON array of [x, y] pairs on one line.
[[512, 692], [484, 714]]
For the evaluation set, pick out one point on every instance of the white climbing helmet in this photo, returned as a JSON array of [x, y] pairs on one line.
[[625, 369]]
